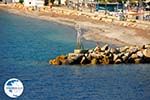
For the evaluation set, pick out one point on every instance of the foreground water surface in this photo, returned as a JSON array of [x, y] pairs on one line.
[[27, 44]]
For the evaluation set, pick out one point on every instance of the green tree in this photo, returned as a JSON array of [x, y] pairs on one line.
[[52, 1], [46, 2], [21, 1]]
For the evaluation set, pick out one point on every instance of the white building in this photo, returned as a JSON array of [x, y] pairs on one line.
[[37, 3], [62, 2], [10, 1], [15, 1]]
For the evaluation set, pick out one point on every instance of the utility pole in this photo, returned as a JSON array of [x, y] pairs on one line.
[[140, 6], [123, 10], [105, 7], [78, 5]]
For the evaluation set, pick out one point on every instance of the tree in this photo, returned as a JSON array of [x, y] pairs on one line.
[[21, 1], [46, 2], [52, 1]]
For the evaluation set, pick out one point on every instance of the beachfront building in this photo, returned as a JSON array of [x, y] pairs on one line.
[[10, 1], [34, 3], [80, 4], [112, 7], [60, 2], [80, 1]]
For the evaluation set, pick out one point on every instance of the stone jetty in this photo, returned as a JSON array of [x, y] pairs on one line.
[[105, 55]]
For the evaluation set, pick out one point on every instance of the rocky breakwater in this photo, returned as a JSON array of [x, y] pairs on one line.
[[106, 55]]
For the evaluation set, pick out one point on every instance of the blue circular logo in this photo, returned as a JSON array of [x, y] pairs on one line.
[[13, 87]]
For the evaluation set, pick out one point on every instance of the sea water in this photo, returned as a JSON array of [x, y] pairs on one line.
[[27, 44]]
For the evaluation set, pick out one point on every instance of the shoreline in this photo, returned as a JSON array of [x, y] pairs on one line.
[[101, 31]]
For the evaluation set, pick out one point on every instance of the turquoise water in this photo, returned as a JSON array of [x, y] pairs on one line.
[[27, 44]]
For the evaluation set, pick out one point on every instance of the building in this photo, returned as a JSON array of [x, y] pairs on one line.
[[10, 1], [61, 2], [112, 7], [34, 3]]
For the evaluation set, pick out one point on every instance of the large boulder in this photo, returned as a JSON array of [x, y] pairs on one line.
[[118, 61], [59, 60], [140, 54], [147, 46], [133, 49], [90, 50], [55, 62], [146, 53], [97, 49], [134, 56], [84, 60], [95, 55], [138, 60], [76, 60], [110, 58], [124, 58], [120, 54], [74, 55], [115, 56], [113, 50], [105, 47], [89, 57], [94, 61], [105, 60], [80, 51], [107, 52], [124, 49]]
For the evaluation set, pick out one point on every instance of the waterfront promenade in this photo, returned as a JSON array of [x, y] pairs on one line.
[[99, 27]]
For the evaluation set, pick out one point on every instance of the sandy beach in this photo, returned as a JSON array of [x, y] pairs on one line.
[[106, 32]]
